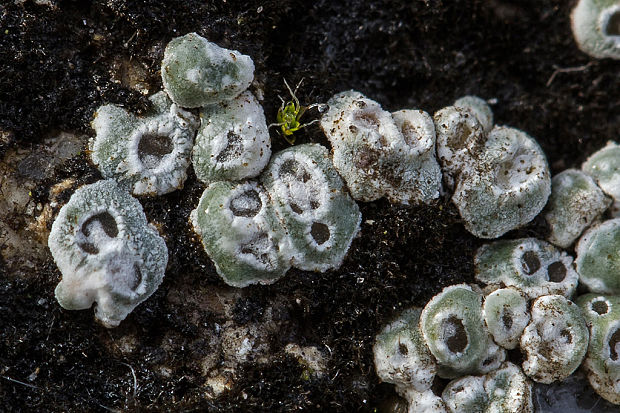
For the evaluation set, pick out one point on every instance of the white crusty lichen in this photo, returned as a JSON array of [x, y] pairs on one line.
[[506, 314], [196, 72], [480, 108], [499, 175], [147, 155], [596, 27], [506, 389], [313, 205], [575, 202], [454, 331], [401, 356], [422, 402], [556, 340], [604, 166], [460, 138], [107, 252], [241, 233], [598, 257], [232, 142], [381, 154], [602, 363], [508, 185], [530, 265]]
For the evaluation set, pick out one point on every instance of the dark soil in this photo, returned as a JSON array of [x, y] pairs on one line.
[[59, 63]]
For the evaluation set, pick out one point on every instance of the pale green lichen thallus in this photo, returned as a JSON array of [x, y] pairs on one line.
[[107, 252]]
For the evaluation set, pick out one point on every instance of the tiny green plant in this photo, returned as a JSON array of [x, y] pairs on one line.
[[290, 113]]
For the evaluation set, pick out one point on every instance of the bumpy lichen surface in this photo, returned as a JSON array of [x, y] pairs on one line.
[[556, 340], [602, 363], [604, 166], [596, 27], [535, 267], [506, 314], [401, 356], [107, 252], [311, 200], [241, 233], [147, 155], [196, 72], [575, 202], [422, 402], [598, 258], [506, 389], [460, 138], [232, 142], [455, 333], [479, 108], [381, 154], [508, 185]]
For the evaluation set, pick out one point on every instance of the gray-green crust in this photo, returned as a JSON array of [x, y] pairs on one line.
[[240, 232], [146, 155], [505, 390], [506, 314], [506, 187], [596, 27], [232, 142], [598, 258], [575, 202], [604, 166], [106, 251], [196, 72], [602, 363], [533, 266], [381, 154], [311, 201], [401, 356], [455, 333], [556, 340]]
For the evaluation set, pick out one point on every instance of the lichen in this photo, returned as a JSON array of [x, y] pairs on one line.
[[530, 265], [598, 261], [575, 202], [313, 205], [454, 331], [196, 72], [147, 155], [401, 356], [232, 142], [381, 154], [556, 340], [596, 27], [107, 252], [241, 233]]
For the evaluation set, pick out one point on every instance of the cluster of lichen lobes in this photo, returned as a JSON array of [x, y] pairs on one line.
[[106, 251], [311, 200], [604, 166], [196, 72], [241, 233], [146, 155], [575, 202], [533, 266], [301, 215], [381, 154], [556, 340], [506, 389], [500, 175]]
